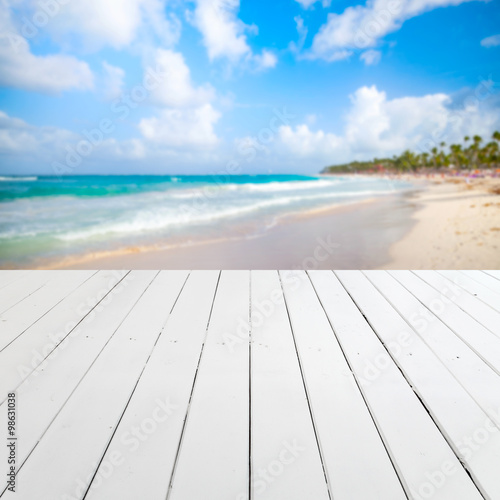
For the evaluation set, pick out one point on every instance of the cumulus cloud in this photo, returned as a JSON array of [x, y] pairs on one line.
[[175, 87], [91, 23], [371, 57], [378, 126], [308, 3], [491, 41], [180, 128], [113, 80], [361, 26], [20, 68], [22, 139], [265, 60], [224, 34]]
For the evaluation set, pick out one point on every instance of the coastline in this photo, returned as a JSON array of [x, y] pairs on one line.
[[440, 223], [356, 235]]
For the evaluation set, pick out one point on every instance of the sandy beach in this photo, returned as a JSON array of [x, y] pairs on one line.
[[457, 227], [442, 224]]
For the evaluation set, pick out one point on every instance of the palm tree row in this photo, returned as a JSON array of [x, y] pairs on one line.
[[472, 155]]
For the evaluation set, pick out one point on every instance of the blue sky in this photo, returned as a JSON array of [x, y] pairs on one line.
[[154, 86]]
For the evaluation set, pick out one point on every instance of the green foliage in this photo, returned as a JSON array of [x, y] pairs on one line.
[[458, 156]]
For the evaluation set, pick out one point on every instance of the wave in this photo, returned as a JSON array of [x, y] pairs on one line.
[[287, 186], [14, 178], [146, 221]]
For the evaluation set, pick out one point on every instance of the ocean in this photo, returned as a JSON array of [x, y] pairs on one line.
[[49, 218]]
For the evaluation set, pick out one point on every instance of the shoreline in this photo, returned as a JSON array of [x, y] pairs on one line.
[[439, 223], [351, 235]]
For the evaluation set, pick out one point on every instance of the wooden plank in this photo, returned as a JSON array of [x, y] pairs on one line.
[[484, 279], [415, 444], [27, 351], [79, 434], [481, 312], [441, 393], [159, 404], [9, 276], [494, 273], [485, 343], [46, 390], [480, 381], [20, 317], [286, 462], [350, 443], [475, 288], [14, 292], [213, 459]]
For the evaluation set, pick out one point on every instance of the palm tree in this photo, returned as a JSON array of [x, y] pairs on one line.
[[434, 152], [456, 150], [475, 149], [425, 159]]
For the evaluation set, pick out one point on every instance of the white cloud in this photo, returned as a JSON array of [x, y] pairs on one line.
[[175, 88], [181, 128], [308, 3], [377, 126], [265, 60], [19, 138], [97, 23], [113, 80], [19, 68], [491, 41], [371, 57], [360, 27], [224, 34]]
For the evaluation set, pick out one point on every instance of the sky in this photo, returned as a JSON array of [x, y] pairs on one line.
[[240, 87]]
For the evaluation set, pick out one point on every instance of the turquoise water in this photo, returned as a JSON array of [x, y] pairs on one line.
[[51, 217]]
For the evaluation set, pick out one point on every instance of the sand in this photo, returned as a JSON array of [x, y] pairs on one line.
[[447, 223], [354, 236], [457, 227]]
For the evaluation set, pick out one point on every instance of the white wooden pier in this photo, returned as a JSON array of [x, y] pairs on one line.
[[234, 385]]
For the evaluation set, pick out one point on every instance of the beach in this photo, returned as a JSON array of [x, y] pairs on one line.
[[457, 226], [356, 235], [439, 224], [331, 222]]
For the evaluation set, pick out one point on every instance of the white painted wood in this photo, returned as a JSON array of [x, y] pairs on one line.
[[481, 382], [20, 317], [18, 289], [439, 390], [484, 342], [159, 403], [78, 436], [350, 443], [483, 293], [9, 276], [213, 461], [417, 447], [494, 273], [47, 389], [485, 279], [27, 351], [481, 312], [286, 461]]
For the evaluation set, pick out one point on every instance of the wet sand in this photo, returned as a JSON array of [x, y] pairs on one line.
[[356, 236]]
